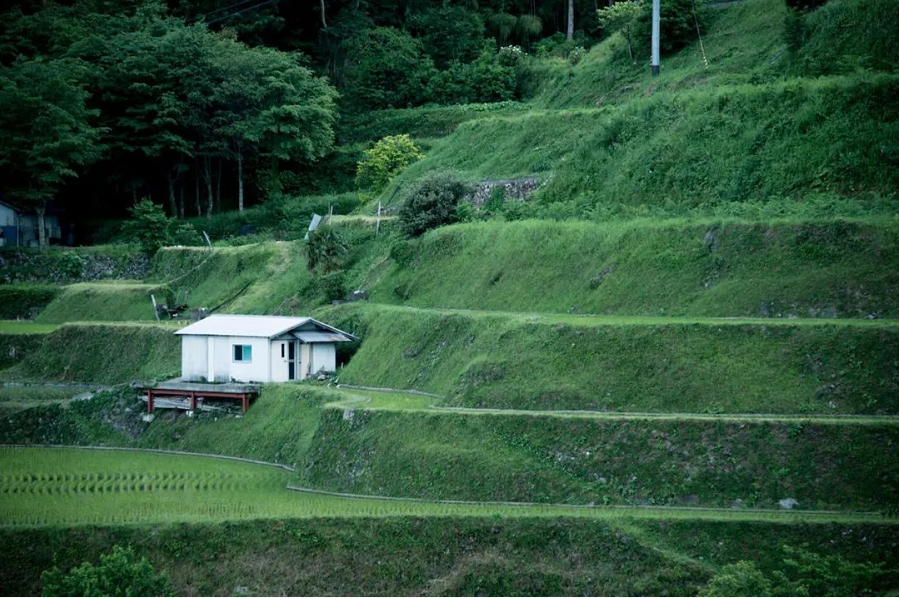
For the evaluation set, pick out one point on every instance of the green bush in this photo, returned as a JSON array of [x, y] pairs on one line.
[[149, 227], [119, 573], [801, 573], [490, 78], [389, 156], [431, 202], [325, 249]]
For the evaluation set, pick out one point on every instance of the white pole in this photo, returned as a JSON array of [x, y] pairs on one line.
[[378, 229], [656, 16]]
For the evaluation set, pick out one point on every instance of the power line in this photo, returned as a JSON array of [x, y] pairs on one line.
[[241, 11]]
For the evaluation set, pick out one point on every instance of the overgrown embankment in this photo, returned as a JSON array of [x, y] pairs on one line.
[[257, 278], [443, 556], [550, 363], [710, 146], [827, 268], [717, 463], [103, 301], [102, 353]]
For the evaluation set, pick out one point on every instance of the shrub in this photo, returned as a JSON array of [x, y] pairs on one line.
[[431, 202], [119, 573], [490, 78], [389, 157], [623, 17], [803, 573], [149, 227], [185, 234], [324, 249], [332, 286]]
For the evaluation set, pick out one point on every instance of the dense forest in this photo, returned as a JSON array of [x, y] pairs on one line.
[[211, 106], [107, 101]]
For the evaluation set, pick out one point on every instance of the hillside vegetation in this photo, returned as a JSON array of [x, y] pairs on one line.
[[781, 268], [703, 366], [682, 346], [758, 142]]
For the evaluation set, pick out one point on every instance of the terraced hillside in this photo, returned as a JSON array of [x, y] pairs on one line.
[[678, 355]]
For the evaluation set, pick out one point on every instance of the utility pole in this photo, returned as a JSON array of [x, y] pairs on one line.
[[656, 15]]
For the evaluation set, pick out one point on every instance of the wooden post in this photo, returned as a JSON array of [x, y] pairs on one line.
[[150, 401], [245, 402], [193, 401]]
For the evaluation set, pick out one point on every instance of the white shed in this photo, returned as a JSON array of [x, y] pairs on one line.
[[237, 348]]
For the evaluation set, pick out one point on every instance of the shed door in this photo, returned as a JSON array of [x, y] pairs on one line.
[[291, 360]]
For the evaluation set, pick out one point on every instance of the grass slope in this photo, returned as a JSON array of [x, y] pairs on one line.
[[571, 460], [758, 142], [15, 345], [450, 556], [102, 353], [517, 363], [104, 302], [834, 268]]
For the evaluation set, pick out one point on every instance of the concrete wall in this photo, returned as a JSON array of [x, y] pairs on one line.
[[193, 358], [324, 357]]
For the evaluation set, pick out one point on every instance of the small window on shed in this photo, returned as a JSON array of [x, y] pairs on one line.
[[243, 353]]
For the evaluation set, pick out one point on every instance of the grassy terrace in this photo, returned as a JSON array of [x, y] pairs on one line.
[[43, 486], [388, 400], [632, 364], [25, 327]]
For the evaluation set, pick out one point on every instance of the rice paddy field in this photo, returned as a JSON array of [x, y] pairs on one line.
[[42, 487]]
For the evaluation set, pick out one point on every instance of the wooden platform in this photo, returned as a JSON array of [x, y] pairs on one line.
[[202, 391]]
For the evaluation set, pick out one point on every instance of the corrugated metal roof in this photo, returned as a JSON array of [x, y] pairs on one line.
[[237, 325], [260, 326], [322, 337]]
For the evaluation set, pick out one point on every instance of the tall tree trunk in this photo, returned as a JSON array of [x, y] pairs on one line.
[[173, 207], [181, 200], [41, 226], [324, 22], [197, 187], [207, 176], [240, 182], [218, 186], [570, 20]]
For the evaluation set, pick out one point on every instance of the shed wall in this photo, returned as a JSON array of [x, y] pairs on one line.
[[193, 358], [324, 357]]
